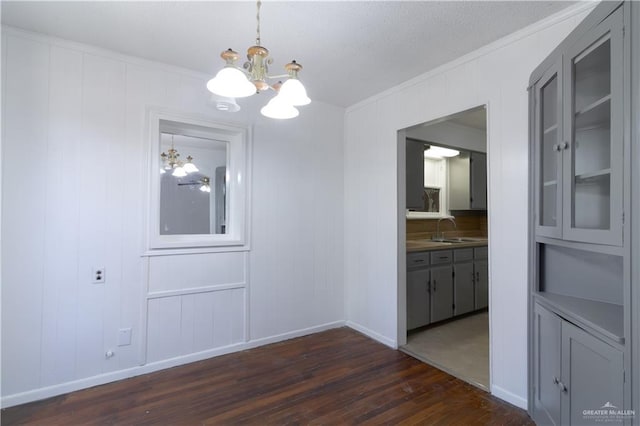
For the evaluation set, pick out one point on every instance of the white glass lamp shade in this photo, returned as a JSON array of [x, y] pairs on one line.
[[294, 93], [190, 167], [205, 188], [277, 108], [230, 82], [179, 172]]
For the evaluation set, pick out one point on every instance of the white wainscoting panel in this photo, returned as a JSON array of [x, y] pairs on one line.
[[183, 272], [181, 325]]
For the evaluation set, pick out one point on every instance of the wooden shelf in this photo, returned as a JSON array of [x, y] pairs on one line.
[[605, 319]]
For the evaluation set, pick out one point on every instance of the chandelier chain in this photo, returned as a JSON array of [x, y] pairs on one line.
[[259, 3]]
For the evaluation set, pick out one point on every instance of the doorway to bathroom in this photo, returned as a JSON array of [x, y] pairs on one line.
[[446, 221]]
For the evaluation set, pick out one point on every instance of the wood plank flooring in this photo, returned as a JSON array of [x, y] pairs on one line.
[[335, 377]]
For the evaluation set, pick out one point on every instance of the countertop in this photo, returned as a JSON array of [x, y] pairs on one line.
[[427, 245]]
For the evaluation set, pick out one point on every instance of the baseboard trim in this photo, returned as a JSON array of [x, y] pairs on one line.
[[101, 379], [510, 397], [372, 334]]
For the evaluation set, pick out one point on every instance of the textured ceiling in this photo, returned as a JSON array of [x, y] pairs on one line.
[[350, 50]]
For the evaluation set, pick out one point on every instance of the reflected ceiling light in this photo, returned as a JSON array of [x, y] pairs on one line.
[[234, 82], [171, 161], [439, 152], [205, 184]]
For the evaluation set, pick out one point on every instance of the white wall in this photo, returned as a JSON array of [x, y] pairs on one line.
[[496, 75], [74, 163]]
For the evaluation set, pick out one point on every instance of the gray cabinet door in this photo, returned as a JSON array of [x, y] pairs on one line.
[[468, 181], [415, 174], [463, 291], [418, 309], [441, 293], [459, 177], [546, 366], [481, 270], [478, 180], [594, 135], [548, 153], [592, 376]]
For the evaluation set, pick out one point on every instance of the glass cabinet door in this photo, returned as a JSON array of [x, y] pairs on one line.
[[548, 134], [593, 139]]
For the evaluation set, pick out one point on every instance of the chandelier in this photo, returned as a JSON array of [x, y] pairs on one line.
[[171, 161], [234, 82]]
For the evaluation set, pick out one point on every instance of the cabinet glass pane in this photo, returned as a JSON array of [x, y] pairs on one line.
[[549, 154], [591, 199], [549, 196], [592, 76], [591, 145]]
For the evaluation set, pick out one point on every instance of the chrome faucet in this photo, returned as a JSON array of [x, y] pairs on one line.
[[451, 219]]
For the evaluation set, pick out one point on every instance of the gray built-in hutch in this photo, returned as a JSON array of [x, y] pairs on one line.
[[583, 260]]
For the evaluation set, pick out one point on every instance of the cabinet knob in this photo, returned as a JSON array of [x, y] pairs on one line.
[[556, 147], [565, 145], [434, 285], [563, 387]]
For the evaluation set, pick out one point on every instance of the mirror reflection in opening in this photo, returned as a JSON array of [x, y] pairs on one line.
[[193, 185]]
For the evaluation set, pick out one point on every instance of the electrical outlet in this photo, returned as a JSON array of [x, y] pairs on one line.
[[99, 275]]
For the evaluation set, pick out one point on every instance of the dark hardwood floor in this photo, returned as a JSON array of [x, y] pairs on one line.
[[334, 377]]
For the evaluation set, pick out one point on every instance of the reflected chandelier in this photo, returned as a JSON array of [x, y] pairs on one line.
[[171, 161], [234, 82]]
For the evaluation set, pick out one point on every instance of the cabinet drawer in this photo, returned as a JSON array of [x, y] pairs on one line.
[[415, 260], [439, 257], [460, 255], [480, 253]]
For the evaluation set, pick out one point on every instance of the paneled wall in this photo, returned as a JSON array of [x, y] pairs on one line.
[[74, 165], [496, 75]]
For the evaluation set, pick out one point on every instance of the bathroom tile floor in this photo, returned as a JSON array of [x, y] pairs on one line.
[[459, 347]]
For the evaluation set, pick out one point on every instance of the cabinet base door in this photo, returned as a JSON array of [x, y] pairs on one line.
[[482, 284], [441, 293], [463, 297], [593, 373], [547, 344], [418, 309]]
